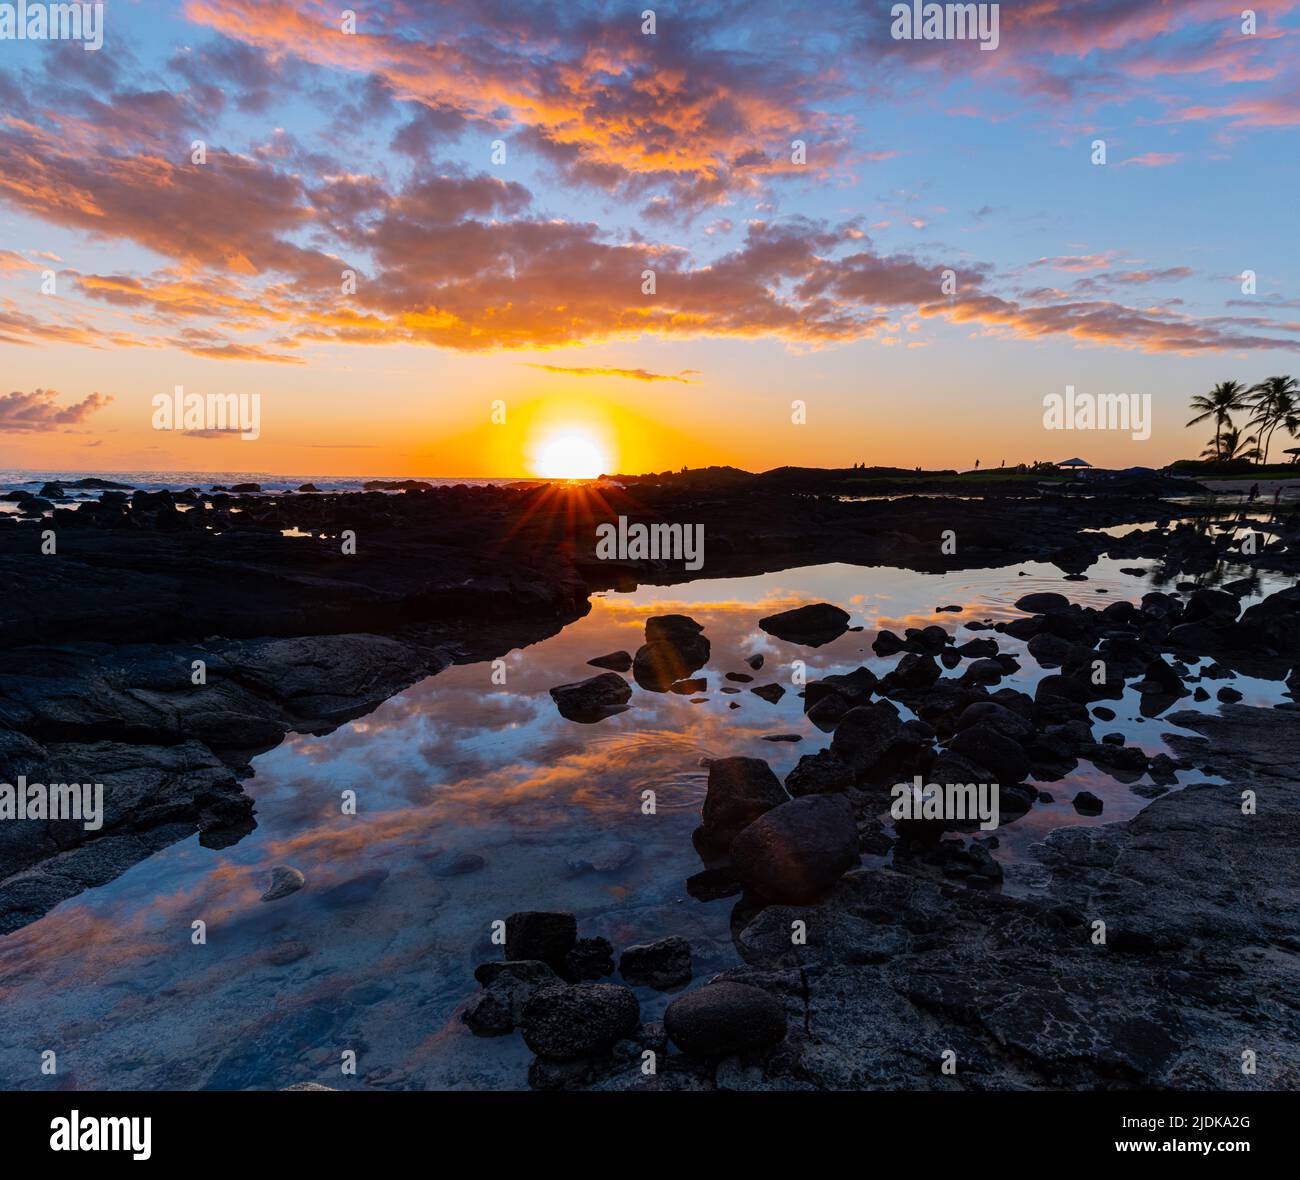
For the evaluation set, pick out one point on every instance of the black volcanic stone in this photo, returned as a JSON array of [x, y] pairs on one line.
[[812, 625], [568, 1021], [538, 934], [724, 1018]]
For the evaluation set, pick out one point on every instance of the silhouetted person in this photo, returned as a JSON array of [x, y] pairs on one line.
[[1254, 491], [977, 464]]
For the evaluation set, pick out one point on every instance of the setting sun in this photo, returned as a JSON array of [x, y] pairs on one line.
[[570, 456]]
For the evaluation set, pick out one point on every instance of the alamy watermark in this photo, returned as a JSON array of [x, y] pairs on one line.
[[946, 22], [53, 22], [951, 801], [651, 542], [1105, 411], [88, 1132], [209, 413], [58, 801]]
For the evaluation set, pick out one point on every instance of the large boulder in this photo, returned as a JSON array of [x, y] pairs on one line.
[[811, 625], [870, 739], [740, 790], [819, 774], [592, 699], [725, 1018], [1210, 606], [566, 1022], [1274, 623], [796, 852], [986, 745]]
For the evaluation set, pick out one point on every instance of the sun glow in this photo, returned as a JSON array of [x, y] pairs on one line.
[[571, 455]]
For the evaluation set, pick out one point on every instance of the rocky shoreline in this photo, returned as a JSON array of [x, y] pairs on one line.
[[98, 649]]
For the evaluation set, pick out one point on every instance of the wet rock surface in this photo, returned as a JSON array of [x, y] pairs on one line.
[[900, 963]]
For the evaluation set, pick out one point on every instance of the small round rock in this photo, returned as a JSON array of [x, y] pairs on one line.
[[724, 1018]]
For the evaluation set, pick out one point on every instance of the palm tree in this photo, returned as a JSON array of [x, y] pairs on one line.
[[1275, 403], [1219, 404], [1230, 445]]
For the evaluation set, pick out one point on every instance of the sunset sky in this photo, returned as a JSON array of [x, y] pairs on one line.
[[521, 281]]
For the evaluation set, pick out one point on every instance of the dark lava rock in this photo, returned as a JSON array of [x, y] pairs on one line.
[[534, 934], [308, 487], [662, 964], [565, 1022], [1050, 650], [592, 700], [1212, 606], [1042, 603], [615, 661], [713, 884], [869, 738], [985, 671], [769, 692], [1086, 803], [811, 626], [1005, 721], [888, 644], [818, 774], [782, 737], [590, 958], [739, 677], [1103, 713], [1161, 680], [660, 664], [1162, 770], [1120, 760], [929, 640], [740, 790], [1228, 695], [755, 661], [1274, 623], [855, 687], [974, 649], [986, 745], [797, 851], [1065, 687], [724, 1018], [827, 712], [674, 648], [914, 672], [507, 987]]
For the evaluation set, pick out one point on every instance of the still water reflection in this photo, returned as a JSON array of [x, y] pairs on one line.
[[475, 799]]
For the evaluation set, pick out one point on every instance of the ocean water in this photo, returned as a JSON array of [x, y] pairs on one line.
[[154, 481], [375, 955]]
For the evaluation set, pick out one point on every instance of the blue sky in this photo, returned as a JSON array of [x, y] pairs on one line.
[[776, 281]]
